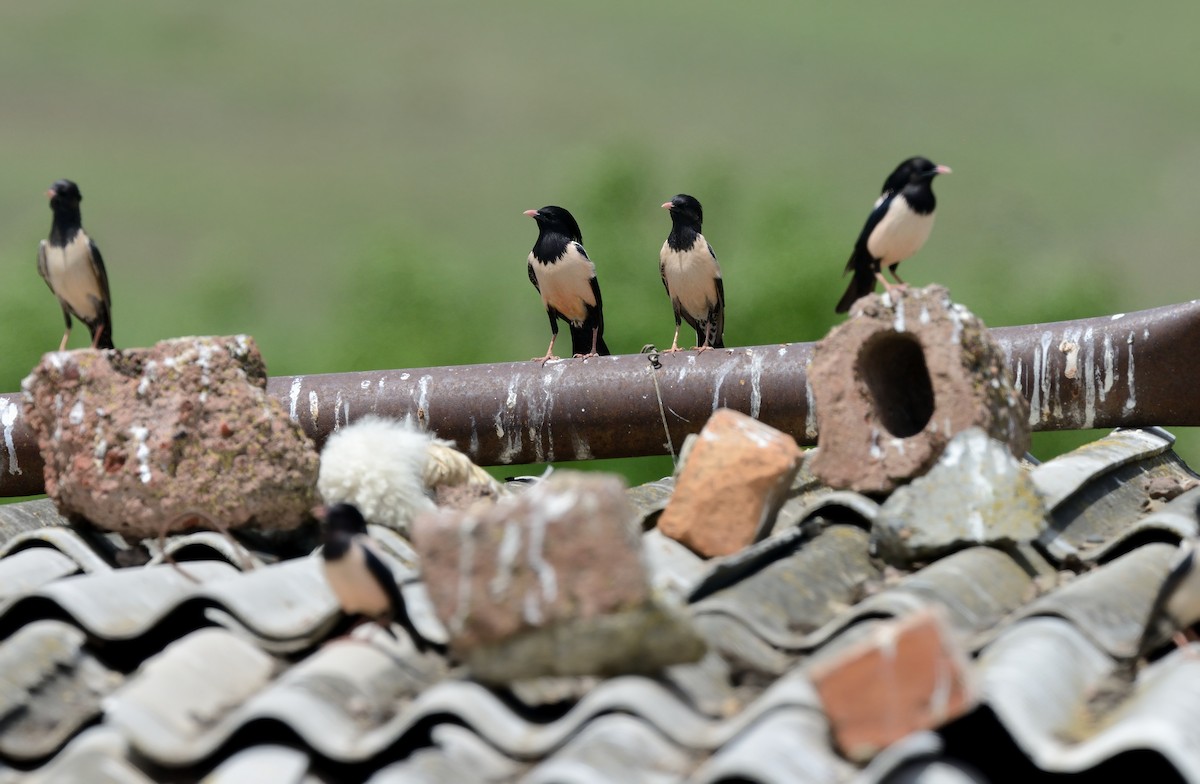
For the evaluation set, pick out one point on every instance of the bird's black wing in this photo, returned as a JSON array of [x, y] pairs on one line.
[[386, 580], [720, 331], [43, 268], [861, 262], [861, 254], [533, 276], [100, 272], [105, 338]]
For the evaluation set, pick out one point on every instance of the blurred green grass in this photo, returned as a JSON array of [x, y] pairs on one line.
[[345, 182]]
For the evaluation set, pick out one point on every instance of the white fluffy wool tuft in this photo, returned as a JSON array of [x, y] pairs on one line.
[[379, 466]]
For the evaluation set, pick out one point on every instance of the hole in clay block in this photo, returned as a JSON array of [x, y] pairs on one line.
[[892, 365]]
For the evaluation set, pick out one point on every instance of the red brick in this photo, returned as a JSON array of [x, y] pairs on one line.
[[731, 485], [907, 676]]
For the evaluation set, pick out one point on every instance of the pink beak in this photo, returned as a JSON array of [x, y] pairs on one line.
[[530, 213], [944, 170], [666, 205]]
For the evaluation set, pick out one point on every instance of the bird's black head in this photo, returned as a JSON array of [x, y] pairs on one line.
[[556, 220], [913, 172], [685, 211], [342, 523], [64, 193]]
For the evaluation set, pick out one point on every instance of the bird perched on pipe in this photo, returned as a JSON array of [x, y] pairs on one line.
[[357, 574], [72, 267], [390, 470], [561, 271], [897, 227], [692, 276]]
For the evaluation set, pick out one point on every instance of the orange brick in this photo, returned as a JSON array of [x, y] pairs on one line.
[[908, 675], [731, 486]]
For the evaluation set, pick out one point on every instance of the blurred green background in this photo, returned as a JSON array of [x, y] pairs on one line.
[[345, 181]]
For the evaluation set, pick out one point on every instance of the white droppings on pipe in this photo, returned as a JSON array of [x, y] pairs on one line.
[[473, 442], [337, 410], [423, 395], [314, 407], [782, 351], [1035, 383], [810, 414], [582, 450], [1089, 380], [405, 376], [1044, 375], [898, 323], [8, 419], [1071, 365], [1109, 376], [294, 397], [511, 400], [140, 434], [1116, 316], [924, 317], [365, 384], [1131, 401], [756, 367], [720, 379], [76, 415]]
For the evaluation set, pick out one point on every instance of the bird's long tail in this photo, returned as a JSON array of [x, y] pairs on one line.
[[862, 284], [709, 334], [103, 325], [581, 340]]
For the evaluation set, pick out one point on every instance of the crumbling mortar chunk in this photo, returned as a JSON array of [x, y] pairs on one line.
[[894, 383], [145, 441]]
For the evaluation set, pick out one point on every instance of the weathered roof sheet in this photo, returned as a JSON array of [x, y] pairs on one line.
[[232, 670]]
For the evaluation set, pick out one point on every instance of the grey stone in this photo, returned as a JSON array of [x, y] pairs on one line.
[[977, 493]]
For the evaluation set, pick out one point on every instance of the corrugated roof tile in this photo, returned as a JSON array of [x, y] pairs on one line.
[[65, 540], [457, 755], [261, 764], [96, 756], [614, 748], [1111, 604], [50, 687], [173, 705], [787, 746], [794, 595], [125, 603], [24, 572], [1038, 678]]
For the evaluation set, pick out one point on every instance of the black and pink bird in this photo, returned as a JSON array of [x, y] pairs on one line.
[[897, 227], [692, 276], [561, 271], [356, 573], [72, 267]]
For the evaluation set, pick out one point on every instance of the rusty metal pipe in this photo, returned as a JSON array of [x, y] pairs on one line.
[[1112, 371]]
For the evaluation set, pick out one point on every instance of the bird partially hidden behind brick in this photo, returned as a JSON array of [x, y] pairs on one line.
[[393, 470]]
